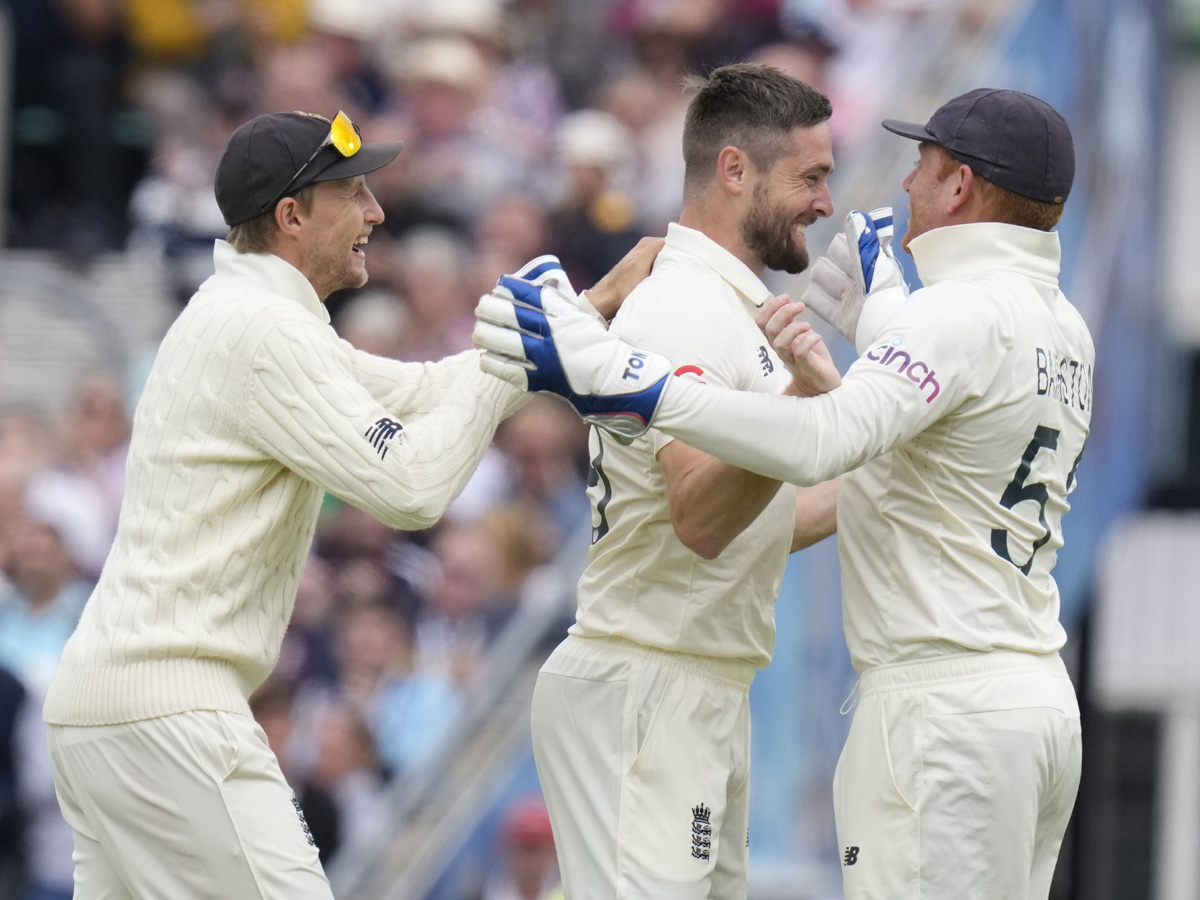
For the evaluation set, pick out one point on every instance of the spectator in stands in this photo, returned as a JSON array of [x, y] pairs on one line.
[[60, 538], [435, 284], [346, 34], [461, 615], [69, 71], [25, 446], [528, 866], [465, 158], [546, 449], [348, 770], [593, 222], [95, 437], [521, 93], [12, 812], [510, 231], [271, 705], [306, 654], [414, 712], [174, 217]]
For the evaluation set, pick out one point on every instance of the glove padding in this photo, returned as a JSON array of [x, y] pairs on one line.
[[540, 340], [548, 269], [858, 285]]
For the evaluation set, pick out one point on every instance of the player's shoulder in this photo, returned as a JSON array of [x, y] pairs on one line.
[[676, 289]]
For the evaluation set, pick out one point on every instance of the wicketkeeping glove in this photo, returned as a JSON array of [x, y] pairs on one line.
[[548, 269], [858, 285], [539, 339]]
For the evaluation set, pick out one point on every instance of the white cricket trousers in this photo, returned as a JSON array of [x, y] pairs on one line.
[[191, 805], [958, 778], [644, 760]]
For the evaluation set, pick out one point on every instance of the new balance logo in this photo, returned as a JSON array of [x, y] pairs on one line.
[[701, 832], [850, 857], [382, 432], [303, 822], [764, 359]]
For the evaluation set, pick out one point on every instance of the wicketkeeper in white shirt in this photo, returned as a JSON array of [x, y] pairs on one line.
[[961, 427], [641, 717], [254, 409]]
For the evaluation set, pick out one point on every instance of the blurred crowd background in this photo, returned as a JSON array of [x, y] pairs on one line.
[[399, 706]]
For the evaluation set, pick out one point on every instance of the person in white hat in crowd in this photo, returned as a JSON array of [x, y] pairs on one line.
[[60, 540]]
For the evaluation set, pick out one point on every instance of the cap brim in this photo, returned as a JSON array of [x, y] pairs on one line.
[[908, 130], [368, 159]]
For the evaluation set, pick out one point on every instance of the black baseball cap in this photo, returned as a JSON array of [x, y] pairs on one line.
[[1012, 139], [265, 154]]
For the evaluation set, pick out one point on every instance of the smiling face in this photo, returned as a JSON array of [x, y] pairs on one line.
[[788, 198], [333, 243]]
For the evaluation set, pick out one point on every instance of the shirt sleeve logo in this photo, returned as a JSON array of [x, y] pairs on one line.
[[381, 432], [890, 356], [764, 360]]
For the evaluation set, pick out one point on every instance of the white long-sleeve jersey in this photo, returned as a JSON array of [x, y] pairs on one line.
[[642, 583], [961, 428], [253, 409]]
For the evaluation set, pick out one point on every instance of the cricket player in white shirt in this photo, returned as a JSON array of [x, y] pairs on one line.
[[641, 719], [961, 427]]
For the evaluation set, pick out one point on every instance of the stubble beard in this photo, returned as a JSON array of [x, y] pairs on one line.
[[340, 274], [769, 235]]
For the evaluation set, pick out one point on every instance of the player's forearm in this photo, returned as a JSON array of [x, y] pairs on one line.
[[414, 388], [816, 514], [715, 502], [798, 440]]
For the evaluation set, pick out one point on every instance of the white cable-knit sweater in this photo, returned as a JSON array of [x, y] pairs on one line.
[[253, 409]]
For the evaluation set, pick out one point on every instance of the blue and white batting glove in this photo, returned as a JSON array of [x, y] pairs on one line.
[[540, 340], [858, 285]]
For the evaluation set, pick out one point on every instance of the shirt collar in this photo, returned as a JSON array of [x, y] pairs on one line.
[[729, 267], [279, 276], [965, 251]]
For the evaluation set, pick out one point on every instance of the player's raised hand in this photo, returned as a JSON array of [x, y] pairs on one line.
[[539, 339], [799, 346], [858, 285]]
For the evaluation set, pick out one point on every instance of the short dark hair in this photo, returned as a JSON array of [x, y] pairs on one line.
[[751, 107], [255, 235], [1007, 206]]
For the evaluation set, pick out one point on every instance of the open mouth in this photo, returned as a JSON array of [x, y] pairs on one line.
[[359, 245]]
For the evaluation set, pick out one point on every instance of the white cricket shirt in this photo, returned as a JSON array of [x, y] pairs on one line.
[[966, 420], [642, 584]]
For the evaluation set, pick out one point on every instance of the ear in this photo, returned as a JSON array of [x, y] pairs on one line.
[[733, 169], [287, 216], [962, 189]]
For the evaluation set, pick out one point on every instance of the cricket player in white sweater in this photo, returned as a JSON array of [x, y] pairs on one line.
[[254, 409], [961, 427]]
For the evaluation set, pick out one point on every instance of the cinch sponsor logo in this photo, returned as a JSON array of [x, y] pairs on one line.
[[1064, 379], [916, 371]]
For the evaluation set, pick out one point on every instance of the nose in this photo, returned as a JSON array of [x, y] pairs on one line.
[[823, 205], [909, 180], [372, 211]]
